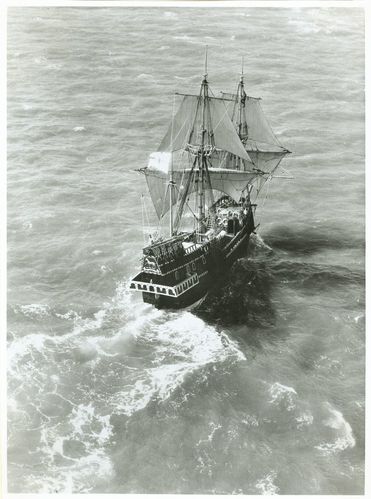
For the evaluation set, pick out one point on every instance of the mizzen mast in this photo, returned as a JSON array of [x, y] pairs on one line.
[[202, 166], [171, 183], [201, 161], [241, 99]]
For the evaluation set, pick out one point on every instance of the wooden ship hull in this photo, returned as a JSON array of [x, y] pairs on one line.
[[185, 280]]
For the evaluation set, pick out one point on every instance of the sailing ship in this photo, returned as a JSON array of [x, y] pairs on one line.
[[215, 156]]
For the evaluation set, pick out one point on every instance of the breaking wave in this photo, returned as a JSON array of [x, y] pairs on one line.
[[76, 456], [184, 343], [343, 433], [173, 346], [283, 394], [266, 485]]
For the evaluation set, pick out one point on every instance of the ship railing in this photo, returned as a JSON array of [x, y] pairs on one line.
[[160, 289], [191, 249], [150, 270]]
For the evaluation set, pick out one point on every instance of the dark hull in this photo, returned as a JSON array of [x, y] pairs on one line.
[[218, 265], [192, 275]]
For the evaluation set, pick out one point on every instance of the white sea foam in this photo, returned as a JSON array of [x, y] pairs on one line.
[[344, 433], [214, 428], [79, 128], [259, 241], [83, 325], [180, 344], [80, 417], [304, 419], [186, 340], [158, 382], [33, 310], [70, 315], [84, 416], [20, 347], [79, 477], [250, 421], [97, 345], [283, 394], [266, 485], [93, 431]]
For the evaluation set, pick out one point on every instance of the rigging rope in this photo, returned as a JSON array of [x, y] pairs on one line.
[[269, 125], [267, 182], [144, 219], [190, 209]]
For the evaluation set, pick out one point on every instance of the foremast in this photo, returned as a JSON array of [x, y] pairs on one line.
[[171, 186], [202, 165], [242, 128]]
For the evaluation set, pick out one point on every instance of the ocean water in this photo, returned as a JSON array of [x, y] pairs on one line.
[[261, 391]]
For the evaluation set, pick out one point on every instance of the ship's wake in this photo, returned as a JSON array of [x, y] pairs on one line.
[[70, 387], [64, 389]]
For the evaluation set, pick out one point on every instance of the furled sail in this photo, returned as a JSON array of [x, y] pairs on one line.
[[185, 130]]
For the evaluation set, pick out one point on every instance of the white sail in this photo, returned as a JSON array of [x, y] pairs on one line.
[[226, 181], [258, 128], [186, 128], [259, 140], [160, 161], [235, 150]]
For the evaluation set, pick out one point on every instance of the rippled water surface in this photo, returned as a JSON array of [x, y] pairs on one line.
[[262, 390]]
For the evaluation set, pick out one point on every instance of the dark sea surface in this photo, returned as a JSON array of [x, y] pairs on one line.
[[261, 391]]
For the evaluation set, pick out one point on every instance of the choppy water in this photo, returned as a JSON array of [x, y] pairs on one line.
[[263, 390]]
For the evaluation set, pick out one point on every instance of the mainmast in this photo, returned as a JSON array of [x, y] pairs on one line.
[[201, 160], [241, 98], [171, 187], [204, 94], [171, 183]]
